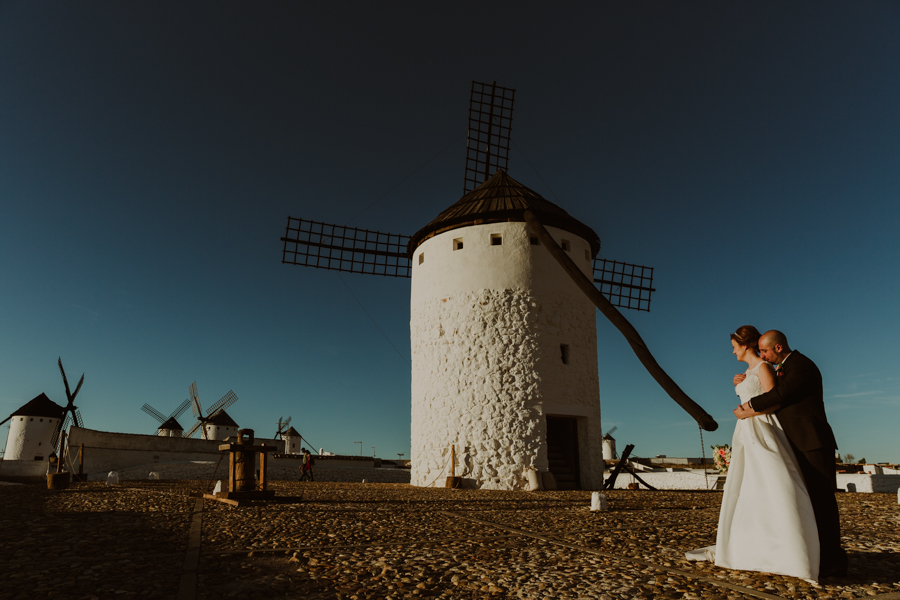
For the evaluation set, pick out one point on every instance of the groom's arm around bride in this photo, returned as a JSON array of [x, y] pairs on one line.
[[798, 389]]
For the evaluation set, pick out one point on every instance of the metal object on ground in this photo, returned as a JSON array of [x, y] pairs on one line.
[[242, 483]]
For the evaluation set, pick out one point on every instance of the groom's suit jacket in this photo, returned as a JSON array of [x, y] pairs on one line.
[[798, 388]]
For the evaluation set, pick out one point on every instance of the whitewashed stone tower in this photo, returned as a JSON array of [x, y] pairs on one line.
[[170, 428], [31, 430], [220, 426], [504, 345], [292, 441]]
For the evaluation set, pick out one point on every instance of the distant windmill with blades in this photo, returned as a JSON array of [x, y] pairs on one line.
[[216, 425], [168, 426], [35, 428], [283, 425], [503, 335], [71, 412], [292, 439]]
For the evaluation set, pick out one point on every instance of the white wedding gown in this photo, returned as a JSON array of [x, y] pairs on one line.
[[766, 522]]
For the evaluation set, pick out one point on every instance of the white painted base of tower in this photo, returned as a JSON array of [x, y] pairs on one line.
[[501, 338]]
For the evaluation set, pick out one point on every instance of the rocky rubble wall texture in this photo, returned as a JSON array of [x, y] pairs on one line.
[[487, 323]]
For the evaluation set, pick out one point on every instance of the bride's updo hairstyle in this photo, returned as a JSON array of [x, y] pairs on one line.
[[747, 335]]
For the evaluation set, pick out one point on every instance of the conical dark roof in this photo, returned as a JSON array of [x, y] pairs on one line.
[[502, 198], [221, 419], [40, 406], [172, 424], [291, 433]]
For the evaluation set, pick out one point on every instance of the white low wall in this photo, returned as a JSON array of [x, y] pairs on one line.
[[863, 482], [676, 480], [688, 480], [210, 470], [23, 468]]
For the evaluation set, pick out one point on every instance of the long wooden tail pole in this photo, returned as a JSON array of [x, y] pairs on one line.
[[625, 328]]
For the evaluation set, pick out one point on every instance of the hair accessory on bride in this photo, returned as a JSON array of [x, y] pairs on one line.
[[747, 335]]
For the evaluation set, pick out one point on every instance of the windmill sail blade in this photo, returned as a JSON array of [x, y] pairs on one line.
[[223, 403], [625, 285], [78, 420], [490, 120], [348, 249], [65, 380], [195, 400], [6, 419], [288, 422], [634, 339], [180, 410], [190, 432], [55, 440], [153, 413], [78, 387]]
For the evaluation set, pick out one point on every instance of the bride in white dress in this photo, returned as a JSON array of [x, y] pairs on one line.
[[766, 522]]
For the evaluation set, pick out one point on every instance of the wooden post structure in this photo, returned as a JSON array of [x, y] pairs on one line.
[[62, 453], [81, 463], [262, 470], [453, 481], [60, 479], [242, 484]]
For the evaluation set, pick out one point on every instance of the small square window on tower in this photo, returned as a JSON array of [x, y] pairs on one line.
[[421, 258], [564, 353], [496, 239], [565, 245], [534, 240], [457, 244]]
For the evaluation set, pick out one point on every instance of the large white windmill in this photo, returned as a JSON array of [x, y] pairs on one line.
[[502, 320], [217, 424]]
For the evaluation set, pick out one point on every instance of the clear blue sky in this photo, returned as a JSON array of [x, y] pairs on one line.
[[150, 154]]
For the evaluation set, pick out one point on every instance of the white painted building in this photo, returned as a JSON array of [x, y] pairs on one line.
[[504, 345], [609, 448], [171, 428], [292, 441], [220, 426], [31, 430]]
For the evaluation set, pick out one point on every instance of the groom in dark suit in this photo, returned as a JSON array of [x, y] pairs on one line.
[[798, 391]]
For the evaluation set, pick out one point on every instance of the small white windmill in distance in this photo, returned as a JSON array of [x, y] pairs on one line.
[[216, 424], [293, 441], [282, 426], [609, 445], [168, 426]]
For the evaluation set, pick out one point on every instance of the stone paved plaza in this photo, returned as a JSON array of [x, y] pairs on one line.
[[354, 541]]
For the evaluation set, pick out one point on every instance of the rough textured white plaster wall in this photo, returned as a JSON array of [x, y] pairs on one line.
[[486, 327], [29, 437]]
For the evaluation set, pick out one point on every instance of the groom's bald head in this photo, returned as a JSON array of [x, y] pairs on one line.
[[773, 346]]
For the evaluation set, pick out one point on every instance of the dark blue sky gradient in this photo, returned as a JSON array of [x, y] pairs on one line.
[[151, 152]]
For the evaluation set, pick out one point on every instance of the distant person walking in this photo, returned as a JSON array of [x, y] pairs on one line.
[[306, 469]]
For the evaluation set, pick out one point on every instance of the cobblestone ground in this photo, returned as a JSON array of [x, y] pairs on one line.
[[353, 541]]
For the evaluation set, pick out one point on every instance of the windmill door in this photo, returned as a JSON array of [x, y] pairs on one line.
[[562, 452]]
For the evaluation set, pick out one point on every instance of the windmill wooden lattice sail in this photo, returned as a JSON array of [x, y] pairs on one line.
[[497, 198]]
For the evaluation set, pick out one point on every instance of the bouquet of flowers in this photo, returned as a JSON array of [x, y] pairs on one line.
[[721, 457]]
